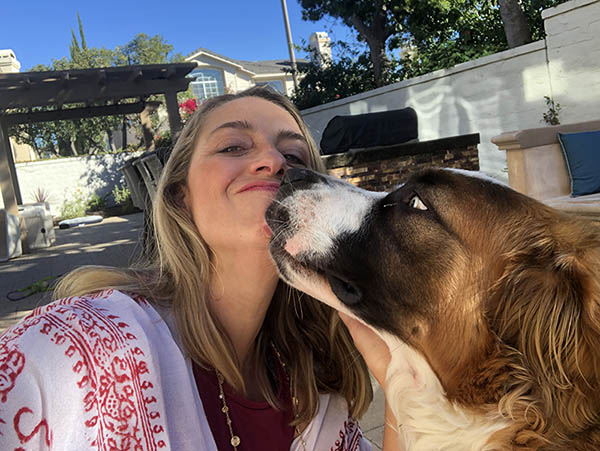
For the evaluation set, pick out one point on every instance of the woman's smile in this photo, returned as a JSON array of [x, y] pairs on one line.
[[261, 185]]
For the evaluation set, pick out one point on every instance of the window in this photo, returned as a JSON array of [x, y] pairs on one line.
[[277, 85], [207, 83]]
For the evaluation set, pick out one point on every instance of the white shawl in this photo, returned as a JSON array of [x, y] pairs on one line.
[[104, 372]]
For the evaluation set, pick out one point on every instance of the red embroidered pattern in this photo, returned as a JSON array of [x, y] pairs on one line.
[[349, 438], [111, 370], [12, 362], [23, 437]]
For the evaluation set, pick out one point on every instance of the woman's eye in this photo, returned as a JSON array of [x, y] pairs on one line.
[[416, 203], [231, 149], [294, 159]]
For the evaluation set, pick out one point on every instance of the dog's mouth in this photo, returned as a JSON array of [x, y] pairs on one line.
[[300, 266], [299, 247]]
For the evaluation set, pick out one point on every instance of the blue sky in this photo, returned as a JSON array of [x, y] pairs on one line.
[[39, 31]]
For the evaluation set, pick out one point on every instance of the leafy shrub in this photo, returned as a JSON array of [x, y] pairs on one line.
[[122, 195], [123, 199], [74, 207], [96, 203], [551, 116], [163, 139]]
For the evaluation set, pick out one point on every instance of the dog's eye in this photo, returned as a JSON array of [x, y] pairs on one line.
[[416, 202]]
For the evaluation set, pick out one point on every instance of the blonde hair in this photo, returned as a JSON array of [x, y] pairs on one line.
[[317, 348]]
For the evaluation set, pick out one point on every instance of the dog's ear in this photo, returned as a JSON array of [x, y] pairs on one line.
[[547, 308]]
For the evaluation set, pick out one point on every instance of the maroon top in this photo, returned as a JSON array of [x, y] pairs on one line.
[[257, 424]]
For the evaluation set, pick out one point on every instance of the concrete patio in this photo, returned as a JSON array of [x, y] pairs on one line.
[[115, 242]]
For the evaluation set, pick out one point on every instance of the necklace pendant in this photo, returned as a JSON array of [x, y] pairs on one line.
[[235, 441]]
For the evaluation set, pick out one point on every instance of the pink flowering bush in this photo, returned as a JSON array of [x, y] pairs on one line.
[[187, 108]]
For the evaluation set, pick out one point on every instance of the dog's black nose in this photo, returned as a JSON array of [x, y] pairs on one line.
[[296, 175]]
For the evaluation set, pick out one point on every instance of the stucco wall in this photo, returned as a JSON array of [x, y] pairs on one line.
[[62, 177], [573, 41], [500, 92]]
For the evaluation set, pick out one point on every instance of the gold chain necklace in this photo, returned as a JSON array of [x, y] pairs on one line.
[[292, 394], [235, 439]]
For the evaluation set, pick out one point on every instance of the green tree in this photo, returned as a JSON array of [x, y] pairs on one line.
[[143, 49], [438, 34], [346, 76], [433, 34], [371, 20], [86, 136]]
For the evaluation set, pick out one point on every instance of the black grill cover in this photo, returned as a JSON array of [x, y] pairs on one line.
[[369, 130]]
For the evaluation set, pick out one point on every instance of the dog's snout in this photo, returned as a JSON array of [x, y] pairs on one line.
[[296, 175]]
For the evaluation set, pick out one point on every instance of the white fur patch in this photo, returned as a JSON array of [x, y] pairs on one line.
[[425, 417], [324, 212]]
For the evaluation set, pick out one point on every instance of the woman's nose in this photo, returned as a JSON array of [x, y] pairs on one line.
[[270, 161]]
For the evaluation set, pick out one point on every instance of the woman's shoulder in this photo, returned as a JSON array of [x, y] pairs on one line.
[[81, 334], [102, 355], [81, 318]]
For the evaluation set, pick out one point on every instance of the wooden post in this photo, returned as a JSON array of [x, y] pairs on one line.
[[9, 184], [147, 129], [7, 179], [149, 108], [173, 112]]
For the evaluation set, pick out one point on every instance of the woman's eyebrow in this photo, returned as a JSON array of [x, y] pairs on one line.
[[245, 125], [290, 134], [241, 125]]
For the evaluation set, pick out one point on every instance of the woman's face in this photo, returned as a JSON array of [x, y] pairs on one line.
[[242, 151]]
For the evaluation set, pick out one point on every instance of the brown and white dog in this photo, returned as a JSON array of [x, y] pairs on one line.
[[488, 300]]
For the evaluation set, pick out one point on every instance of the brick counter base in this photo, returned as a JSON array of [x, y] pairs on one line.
[[382, 169]]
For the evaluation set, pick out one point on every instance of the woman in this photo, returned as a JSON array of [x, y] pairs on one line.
[[204, 348]]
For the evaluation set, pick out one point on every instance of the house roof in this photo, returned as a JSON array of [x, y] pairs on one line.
[[255, 67]]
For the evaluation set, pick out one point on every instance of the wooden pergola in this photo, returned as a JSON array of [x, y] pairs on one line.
[[100, 90]]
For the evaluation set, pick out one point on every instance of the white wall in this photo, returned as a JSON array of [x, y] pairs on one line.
[[573, 41], [62, 177], [500, 92]]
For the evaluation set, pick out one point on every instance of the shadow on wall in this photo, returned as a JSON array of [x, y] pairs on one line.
[[102, 174]]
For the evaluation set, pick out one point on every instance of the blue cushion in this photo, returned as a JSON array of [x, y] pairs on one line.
[[582, 154]]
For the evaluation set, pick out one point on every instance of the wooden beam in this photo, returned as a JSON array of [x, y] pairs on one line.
[[73, 113], [136, 75], [39, 95], [101, 77], [170, 73]]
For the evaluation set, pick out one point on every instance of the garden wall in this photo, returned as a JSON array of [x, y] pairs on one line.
[[500, 92], [61, 178]]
